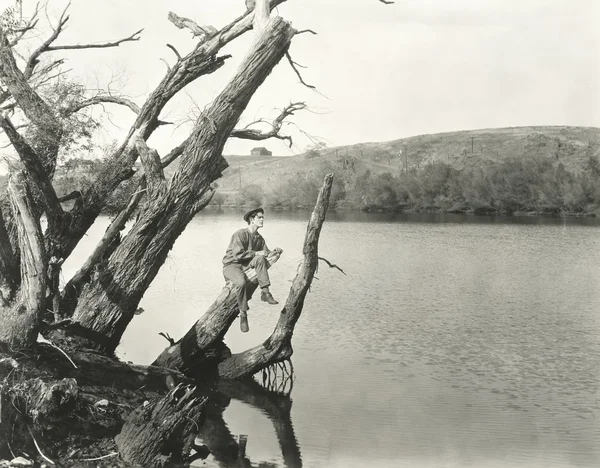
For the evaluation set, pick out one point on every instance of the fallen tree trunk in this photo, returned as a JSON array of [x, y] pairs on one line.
[[197, 348], [201, 348]]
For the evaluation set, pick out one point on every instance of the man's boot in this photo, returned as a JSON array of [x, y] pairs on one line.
[[266, 296]]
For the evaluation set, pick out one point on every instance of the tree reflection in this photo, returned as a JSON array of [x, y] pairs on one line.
[[230, 451]]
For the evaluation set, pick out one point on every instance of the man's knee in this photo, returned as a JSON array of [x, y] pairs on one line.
[[260, 260]]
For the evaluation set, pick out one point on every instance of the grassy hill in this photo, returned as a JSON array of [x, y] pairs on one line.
[[524, 169], [571, 146], [507, 170]]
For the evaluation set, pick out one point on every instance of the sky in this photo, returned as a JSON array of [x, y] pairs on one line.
[[382, 72]]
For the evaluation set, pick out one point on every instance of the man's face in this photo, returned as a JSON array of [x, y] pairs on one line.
[[258, 220]]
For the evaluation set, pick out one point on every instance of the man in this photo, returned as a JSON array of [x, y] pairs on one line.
[[248, 248]]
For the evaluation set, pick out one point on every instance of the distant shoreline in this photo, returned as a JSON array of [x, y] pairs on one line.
[[383, 210]]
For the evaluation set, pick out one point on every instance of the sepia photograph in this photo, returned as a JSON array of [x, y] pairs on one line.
[[300, 233]]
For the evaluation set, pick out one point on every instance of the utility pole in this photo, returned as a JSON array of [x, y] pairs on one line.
[[240, 174]]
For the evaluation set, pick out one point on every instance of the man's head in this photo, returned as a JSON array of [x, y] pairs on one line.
[[255, 217]]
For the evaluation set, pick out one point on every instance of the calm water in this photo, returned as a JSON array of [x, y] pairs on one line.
[[452, 341]]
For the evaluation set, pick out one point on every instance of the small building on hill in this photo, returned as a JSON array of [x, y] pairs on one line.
[[260, 151]]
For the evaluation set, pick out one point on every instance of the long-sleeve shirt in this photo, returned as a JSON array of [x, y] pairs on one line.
[[243, 247]]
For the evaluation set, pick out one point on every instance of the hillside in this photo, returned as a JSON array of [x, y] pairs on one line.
[[571, 146]]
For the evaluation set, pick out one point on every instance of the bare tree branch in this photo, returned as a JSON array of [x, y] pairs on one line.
[[102, 45], [100, 99], [262, 12], [175, 51], [332, 265], [34, 57], [387, 2], [31, 24], [303, 31], [34, 167], [293, 64], [197, 30], [249, 134]]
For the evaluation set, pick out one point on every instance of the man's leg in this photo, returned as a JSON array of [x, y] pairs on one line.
[[235, 274], [261, 265]]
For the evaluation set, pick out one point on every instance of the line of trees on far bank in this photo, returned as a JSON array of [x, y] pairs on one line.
[[513, 185]]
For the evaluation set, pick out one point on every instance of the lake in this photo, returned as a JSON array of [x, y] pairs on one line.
[[451, 341]]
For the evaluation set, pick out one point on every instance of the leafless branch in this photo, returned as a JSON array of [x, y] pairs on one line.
[[302, 31], [51, 77], [166, 63], [332, 265], [249, 134], [34, 57], [293, 64], [387, 2], [31, 24], [197, 30], [175, 51], [77, 106], [134, 37], [173, 154]]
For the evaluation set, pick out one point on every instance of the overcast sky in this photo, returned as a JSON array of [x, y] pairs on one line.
[[384, 71]]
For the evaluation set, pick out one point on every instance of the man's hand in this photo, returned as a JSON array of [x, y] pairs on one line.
[[278, 251]]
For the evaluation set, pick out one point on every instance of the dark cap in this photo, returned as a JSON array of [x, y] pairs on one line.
[[252, 213]]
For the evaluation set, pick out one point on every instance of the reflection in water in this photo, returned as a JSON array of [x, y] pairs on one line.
[[229, 451]]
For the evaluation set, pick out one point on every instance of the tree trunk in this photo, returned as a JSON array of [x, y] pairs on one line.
[[196, 349], [9, 266], [162, 433], [21, 315], [201, 349], [107, 303]]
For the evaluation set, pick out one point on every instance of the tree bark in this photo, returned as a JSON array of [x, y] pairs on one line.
[[162, 433], [9, 266], [107, 303], [21, 318]]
